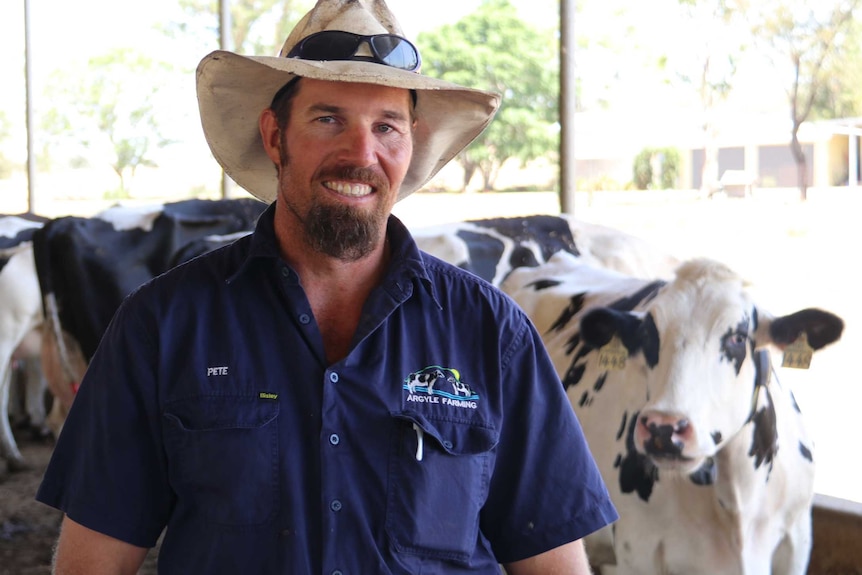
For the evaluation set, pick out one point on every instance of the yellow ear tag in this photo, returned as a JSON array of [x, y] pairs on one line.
[[613, 355], [798, 354]]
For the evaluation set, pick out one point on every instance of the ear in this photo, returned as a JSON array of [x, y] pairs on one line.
[[821, 328], [270, 135]]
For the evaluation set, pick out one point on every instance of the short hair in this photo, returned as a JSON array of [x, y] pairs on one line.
[[281, 102]]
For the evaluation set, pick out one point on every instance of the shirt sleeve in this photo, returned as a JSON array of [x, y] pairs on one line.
[[108, 470], [546, 489]]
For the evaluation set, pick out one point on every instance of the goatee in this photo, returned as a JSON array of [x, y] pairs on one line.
[[341, 232]]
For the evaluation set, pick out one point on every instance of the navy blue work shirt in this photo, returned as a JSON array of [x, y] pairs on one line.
[[443, 443]]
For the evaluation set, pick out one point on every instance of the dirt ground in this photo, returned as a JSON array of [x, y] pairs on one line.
[[27, 529]]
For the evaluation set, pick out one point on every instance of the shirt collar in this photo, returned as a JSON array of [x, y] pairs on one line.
[[406, 263]]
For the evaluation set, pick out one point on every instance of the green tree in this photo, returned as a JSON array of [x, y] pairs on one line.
[[710, 68], [808, 40], [493, 49], [109, 111], [257, 26]]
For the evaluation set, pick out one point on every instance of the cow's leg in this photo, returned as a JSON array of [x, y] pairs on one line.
[[34, 400], [792, 555], [14, 459]]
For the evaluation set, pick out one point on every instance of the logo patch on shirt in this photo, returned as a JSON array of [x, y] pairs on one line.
[[440, 385]]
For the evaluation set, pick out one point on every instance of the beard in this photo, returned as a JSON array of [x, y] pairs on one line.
[[338, 231]]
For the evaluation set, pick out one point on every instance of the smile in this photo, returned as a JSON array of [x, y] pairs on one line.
[[352, 190]]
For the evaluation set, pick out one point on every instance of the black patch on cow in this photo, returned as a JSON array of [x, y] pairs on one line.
[[643, 295], [637, 473], [485, 251], [706, 474], [19, 238], [650, 340], [600, 382], [716, 437], [540, 285], [551, 233], [573, 375], [734, 344], [764, 436], [622, 428], [821, 327], [585, 399], [576, 304], [796, 407], [90, 267], [572, 343], [806, 453]]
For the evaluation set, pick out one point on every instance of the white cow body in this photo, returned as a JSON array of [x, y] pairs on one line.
[[20, 314], [704, 454]]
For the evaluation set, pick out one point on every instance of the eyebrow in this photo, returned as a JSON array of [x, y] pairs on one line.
[[332, 109]]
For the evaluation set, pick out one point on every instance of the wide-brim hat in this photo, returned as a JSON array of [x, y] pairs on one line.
[[233, 90]]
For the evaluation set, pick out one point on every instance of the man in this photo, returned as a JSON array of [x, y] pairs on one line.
[[321, 396]]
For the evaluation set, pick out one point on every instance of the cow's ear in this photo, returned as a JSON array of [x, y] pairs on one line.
[[820, 327], [599, 325]]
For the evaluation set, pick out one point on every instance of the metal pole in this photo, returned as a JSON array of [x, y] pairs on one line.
[[28, 111], [567, 106], [225, 43]]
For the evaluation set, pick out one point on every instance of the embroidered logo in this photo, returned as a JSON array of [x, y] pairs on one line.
[[440, 385], [217, 370]]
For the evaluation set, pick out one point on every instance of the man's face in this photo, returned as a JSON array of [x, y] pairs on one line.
[[343, 156]]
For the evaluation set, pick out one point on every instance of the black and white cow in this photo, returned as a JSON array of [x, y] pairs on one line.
[[87, 266], [491, 248], [705, 455], [20, 315]]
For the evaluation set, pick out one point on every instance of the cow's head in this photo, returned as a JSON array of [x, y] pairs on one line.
[[698, 349]]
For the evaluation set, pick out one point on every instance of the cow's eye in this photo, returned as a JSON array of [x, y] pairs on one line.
[[736, 339]]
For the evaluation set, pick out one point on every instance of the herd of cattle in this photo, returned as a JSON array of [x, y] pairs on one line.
[[667, 364]]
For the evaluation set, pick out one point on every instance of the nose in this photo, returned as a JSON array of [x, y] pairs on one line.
[[359, 146], [663, 434]]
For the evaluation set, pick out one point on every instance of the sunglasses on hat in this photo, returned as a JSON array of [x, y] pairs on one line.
[[387, 49]]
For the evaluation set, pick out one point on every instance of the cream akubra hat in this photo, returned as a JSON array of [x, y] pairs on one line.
[[234, 89]]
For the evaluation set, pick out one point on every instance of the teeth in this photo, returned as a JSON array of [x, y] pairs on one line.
[[348, 189]]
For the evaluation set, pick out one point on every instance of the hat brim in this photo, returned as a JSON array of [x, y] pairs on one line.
[[448, 116]]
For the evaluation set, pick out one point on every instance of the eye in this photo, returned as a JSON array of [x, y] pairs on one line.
[[735, 339]]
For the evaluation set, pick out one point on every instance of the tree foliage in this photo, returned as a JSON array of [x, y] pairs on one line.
[[108, 110], [710, 68], [808, 39], [493, 49], [257, 26]]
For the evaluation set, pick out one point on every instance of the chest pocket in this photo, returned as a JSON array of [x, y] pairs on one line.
[[223, 453], [438, 481]]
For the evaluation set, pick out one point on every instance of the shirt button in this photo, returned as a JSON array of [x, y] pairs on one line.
[[447, 444], [335, 505], [285, 272], [337, 572], [333, 377], [334, 439], [304, 318]]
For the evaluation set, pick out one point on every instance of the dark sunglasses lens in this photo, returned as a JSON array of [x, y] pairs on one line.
[[331, 46], [395, 51]]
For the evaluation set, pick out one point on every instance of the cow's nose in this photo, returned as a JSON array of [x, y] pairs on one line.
[[664, 434]]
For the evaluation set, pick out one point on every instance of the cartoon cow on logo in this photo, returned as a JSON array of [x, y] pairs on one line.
[[424, 378]]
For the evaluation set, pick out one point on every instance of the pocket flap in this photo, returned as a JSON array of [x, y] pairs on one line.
[[208, 412], [455, 437]]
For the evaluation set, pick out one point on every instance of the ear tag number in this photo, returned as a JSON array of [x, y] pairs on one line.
[[613, 355], [798, 354]]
